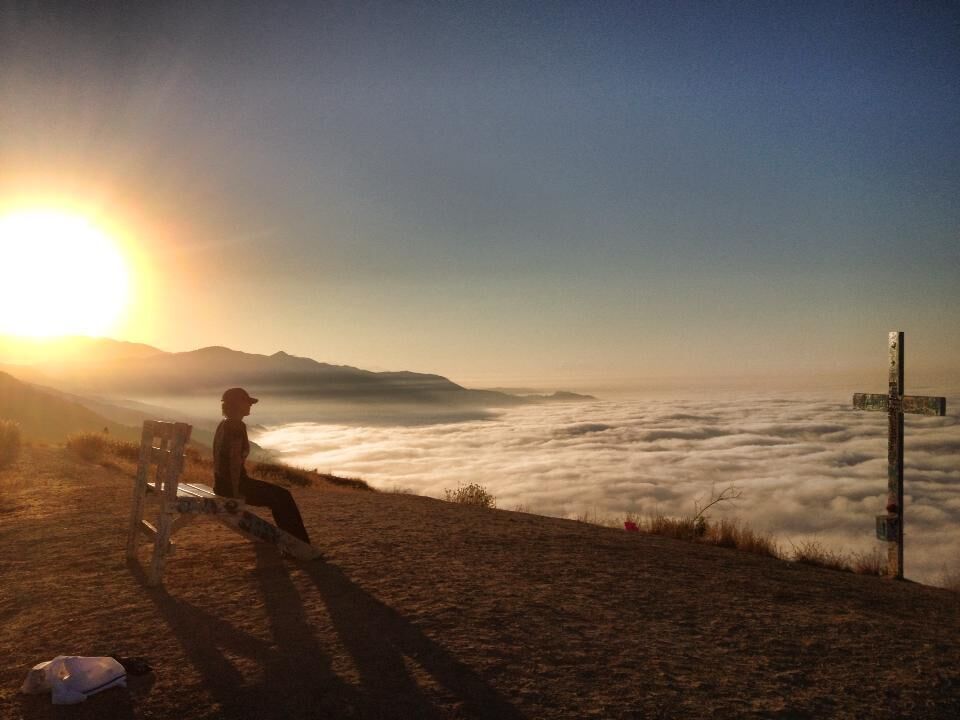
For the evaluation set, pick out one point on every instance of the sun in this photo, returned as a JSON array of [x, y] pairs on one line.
[[59, 275]]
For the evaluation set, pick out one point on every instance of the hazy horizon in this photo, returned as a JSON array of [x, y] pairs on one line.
[[843, 381]]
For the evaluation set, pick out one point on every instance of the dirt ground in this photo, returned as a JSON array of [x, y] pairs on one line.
[[423, 609]]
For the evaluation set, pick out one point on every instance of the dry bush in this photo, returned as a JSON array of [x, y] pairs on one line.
[[679, 528], [90, 446], [812, 552], [871, 563], [725, 533], [9, 442], [472, 494], [733, 534], [125, 450]]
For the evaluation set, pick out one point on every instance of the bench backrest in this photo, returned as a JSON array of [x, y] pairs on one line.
[[162, 444]]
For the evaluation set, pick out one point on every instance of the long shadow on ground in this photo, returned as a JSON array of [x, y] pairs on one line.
[[297, 677], [379, 638]]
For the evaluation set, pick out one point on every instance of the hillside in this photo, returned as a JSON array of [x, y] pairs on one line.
[[424, 609], [45, 416]]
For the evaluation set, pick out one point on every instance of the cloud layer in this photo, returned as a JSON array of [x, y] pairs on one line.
[[809, 467]]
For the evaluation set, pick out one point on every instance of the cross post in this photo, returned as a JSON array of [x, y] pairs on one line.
[[895, 403]]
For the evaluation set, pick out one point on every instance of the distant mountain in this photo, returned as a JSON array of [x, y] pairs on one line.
[[29, 351], [210, 370], [531, 394], [562, 396], [103, 370], [45, 416]]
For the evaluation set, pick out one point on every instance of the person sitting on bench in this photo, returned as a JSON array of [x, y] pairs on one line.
[[230, 450]]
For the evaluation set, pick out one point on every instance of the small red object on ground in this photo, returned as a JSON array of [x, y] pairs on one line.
[[630, 526]]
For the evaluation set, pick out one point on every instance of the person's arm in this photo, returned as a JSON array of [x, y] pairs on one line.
[[235, 456]]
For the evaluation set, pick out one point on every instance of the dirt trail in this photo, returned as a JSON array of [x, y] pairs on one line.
[[422, 609]]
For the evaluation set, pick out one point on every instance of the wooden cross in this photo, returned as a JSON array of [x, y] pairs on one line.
[[895, 403]]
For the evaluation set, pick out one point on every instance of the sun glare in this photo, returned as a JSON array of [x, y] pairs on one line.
[[61, 275]]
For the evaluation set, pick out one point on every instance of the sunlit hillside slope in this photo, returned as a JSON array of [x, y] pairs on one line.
[[43, 415], [426, 609]]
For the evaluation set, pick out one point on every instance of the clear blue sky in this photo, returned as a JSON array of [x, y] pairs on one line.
[[574, 193]]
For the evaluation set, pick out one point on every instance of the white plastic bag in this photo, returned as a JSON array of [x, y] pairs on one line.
[[72, 678]]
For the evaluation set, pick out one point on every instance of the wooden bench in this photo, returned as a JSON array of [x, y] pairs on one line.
[[182, 503]]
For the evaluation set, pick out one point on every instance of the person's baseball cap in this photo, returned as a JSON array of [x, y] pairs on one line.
[[238, 395]]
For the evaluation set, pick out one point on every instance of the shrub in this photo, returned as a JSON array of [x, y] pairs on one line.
[[679, 528], [733, 534], [90, 446], [725, 533], [125, 450], [472, 494], [9, 442]]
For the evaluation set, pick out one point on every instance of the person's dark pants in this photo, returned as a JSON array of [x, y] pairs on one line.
[[281, 504]]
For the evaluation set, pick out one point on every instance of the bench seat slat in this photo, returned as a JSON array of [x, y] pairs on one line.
[[204, 490], [188, 490]]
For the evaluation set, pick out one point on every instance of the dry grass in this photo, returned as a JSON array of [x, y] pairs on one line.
[[591, 517], [723, 533], [10, 441], [350, 483], [288, 475], [681, 528], [283, 474], [89, 446], [871, 563], [734, 534], [472, 494], [813, 552], [401, 490]]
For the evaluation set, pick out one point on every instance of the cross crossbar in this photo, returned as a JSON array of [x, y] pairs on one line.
[[912, 404]]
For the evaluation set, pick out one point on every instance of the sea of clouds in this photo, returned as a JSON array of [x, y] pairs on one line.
[[809, 468]]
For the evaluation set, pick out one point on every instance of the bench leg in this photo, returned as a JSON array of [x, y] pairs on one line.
[[161, 548], [139, 491]]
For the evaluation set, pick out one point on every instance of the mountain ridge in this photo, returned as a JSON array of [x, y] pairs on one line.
[[303, 388]]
